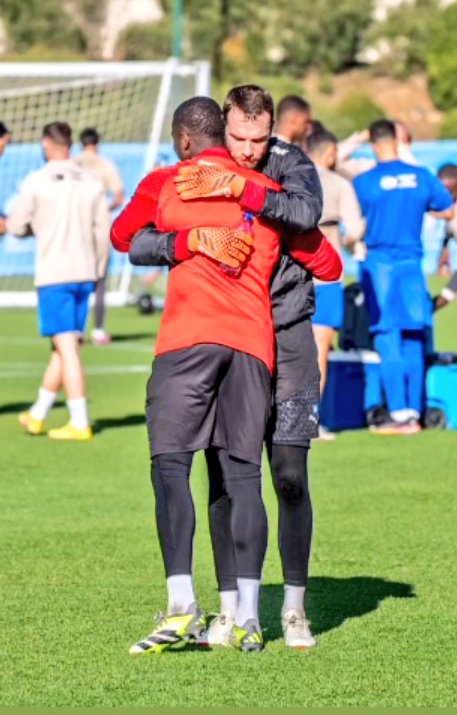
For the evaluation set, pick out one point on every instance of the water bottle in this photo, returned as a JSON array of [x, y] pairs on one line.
[[246, 227]]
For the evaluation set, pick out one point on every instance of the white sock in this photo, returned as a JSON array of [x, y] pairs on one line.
[[294, 597], [79, 417], [180, 593], [248, 600], [45, 400], [229, 603]]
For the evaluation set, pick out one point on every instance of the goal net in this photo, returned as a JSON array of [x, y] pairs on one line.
[[129, 103]]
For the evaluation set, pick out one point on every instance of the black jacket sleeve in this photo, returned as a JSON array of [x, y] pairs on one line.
[[150, 247], [298, 207]]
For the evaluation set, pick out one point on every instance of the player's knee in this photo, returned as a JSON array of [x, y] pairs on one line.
[[289, 485]]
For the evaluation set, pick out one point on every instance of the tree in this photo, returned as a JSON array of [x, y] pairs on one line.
[[441, 58], [402, 38], [324, 34], [40, 22]]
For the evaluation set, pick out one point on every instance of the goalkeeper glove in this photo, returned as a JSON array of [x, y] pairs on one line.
[[203, 180], [230, 246]]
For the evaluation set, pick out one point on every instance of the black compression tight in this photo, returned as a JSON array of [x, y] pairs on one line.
[[290, 478], [247, 521], [175, 513], [289, 468]]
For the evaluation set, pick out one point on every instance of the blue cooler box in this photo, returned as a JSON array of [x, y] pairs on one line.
[[353, 386], [441, 389]]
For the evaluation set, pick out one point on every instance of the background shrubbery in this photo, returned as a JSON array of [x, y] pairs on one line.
[[276, 43]]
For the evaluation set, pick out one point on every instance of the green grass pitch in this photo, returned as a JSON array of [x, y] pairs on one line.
[[81, 573]]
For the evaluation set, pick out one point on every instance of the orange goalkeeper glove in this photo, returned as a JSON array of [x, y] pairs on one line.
[[203, 180], [229, 246]]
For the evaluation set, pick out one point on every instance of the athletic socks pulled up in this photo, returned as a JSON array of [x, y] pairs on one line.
[[79, 417], [42, 405], [294, 597], [180, 593], [248, 601], [229, 603]]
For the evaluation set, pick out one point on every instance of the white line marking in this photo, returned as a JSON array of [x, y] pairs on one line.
[[124, 346], [91, 370]]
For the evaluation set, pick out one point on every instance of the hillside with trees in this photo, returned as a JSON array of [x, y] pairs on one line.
[[313, 46]]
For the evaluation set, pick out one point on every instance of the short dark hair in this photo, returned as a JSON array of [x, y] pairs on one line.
[[89, 136], [318, 139], [251, 99], [382, 129], [292, 102], [447, 171], [199, 115], [3, 130], [58, 132]]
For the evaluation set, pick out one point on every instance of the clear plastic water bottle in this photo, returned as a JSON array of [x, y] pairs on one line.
[[246, 227]]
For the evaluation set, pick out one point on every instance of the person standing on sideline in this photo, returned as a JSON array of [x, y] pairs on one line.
[[107, 172], [394, 197], [447, 174], [5, 138], [293, 119], [65, 208], [340, 206]]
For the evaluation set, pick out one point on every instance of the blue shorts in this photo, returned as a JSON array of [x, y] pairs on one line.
[[329, 305], [63, 308]]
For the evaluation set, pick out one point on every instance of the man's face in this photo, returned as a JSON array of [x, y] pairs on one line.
[[302, 125], [451, 186], [331, 154], [247, 137], [4, 140]]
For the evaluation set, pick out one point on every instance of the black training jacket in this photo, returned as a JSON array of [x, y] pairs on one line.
[[297, 208]]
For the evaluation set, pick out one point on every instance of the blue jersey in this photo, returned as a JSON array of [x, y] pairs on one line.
[[394, 197]]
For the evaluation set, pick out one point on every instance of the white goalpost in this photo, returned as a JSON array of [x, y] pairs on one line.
[[129, 103]]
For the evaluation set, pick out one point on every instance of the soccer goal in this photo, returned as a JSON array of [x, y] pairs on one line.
[[130, 104]]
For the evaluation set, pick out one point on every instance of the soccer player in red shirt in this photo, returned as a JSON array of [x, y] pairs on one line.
[[214, 355]]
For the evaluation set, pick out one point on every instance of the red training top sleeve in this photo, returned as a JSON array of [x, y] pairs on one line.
[[316, 254], [140, 210]]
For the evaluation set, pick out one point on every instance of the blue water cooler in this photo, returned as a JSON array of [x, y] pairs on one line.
[[353, 387]]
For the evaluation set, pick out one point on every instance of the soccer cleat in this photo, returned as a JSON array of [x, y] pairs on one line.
[[325, 435], [31, 424], [248, 638], [391, 427], [172, 629], [376, 416], [70, 432], [297, 634], [219, 630]]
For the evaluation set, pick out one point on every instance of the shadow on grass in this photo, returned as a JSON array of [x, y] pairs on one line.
[[114, 422], [15, 407], [133, 336], [330, 601]]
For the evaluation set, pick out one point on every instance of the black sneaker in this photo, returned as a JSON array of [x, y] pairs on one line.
[[377, 416]]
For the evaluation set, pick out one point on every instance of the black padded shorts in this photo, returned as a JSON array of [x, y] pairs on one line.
[[295, 414], [208, 395]]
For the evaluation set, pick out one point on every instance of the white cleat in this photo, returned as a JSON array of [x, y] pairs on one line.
[[219, 630], [325, 435], [296, 630]]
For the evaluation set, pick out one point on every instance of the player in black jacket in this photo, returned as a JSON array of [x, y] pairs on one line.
[[294, 420]]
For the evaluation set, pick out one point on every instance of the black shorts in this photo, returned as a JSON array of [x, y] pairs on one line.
[[295, 414], [208, 395]]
